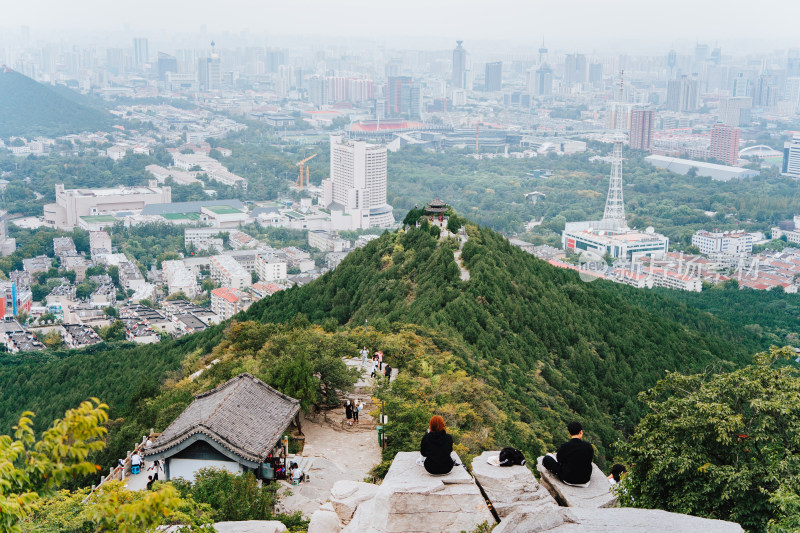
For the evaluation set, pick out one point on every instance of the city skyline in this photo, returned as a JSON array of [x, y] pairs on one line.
[[597, 27]]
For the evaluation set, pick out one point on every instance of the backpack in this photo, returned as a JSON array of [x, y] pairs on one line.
[[511, 456]]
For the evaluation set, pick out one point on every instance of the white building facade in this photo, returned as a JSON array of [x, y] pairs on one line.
[[733, 243], [357, 186], [227, 272]]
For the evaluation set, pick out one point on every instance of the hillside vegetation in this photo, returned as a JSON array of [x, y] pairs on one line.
[[507, 357], [29, 109]]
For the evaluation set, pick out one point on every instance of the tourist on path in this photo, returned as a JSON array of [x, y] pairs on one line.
[[375, 366], [348, 412], [573, 461], [388, 371], [355, 412], [436, 447], [364, 354], [155, 468]]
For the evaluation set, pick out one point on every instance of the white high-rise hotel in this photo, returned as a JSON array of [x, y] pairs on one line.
[[356, 191]]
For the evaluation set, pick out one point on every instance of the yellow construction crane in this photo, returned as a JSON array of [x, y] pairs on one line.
[[301, 164]]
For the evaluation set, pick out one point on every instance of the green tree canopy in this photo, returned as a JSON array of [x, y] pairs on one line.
[[721, 445]]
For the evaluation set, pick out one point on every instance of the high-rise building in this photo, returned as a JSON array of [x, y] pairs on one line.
[[357, 184], [641, 137], [166, 63], [459, 66], [544, 81], [494, 76], [725, 144], [766, 93], [596, 74], [683, 94], [672, 60], [403, 97], [209, 71], [791, 158], [318, 91], [575, 69], [741, 85], [140, 52], [735, 110]]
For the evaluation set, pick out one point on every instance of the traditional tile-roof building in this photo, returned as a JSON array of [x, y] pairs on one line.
[[235, 426]]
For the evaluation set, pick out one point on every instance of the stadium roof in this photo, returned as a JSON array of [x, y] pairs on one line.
[[189, 207]]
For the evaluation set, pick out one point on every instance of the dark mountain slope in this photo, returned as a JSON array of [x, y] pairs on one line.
[[28, 109]]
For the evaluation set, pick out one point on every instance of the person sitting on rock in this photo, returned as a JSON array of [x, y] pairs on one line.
[[573, 461], [436, 448]]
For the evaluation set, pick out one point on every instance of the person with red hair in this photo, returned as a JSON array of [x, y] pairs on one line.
[[436, 448]]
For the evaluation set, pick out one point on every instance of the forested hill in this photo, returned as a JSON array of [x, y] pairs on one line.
[[551, 345], [29, 108]]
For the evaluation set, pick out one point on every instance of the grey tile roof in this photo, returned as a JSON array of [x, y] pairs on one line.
[[244, 415]]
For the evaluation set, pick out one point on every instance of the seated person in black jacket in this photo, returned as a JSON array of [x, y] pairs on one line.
[[573, 462], [436, 448]]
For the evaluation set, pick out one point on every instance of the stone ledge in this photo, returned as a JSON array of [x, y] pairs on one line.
[[412, 501], [509, 487], [597, 495], [577, 520]]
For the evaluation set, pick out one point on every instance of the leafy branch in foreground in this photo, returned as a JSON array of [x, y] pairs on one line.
[[723, 446]]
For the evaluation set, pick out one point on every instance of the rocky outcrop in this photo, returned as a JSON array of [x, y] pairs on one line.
[[509, 488], [408, 501], [412, 501], [347, 495], [594, 496], [575, 520], [250, 526], [325, 520]]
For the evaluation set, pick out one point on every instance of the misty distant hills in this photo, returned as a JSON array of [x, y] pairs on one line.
[[29, 108]]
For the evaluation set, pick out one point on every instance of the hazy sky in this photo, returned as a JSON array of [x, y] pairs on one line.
[[610, 25]]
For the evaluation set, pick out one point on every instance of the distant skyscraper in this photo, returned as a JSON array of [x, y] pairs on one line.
[[318, 91], [596, 74], [741, 85], [701, 52], [544, 80], [672, 60], [725, 144], [683, 94], [575, 69], [459, 66], [542, 53], [716, 56], [140, 52], [766, 93], [166, 63], [494, 76], [641, 136], [735, 110], [791, 158], [357, 185], [403, 98], [209, 71]]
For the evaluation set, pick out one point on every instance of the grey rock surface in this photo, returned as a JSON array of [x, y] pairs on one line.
[[509, 487], [325, 520], [576, 520], [412, 501], [597, 495], [250, 526], [347, 495]]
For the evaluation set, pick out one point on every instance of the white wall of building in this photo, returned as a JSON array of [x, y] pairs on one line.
[[187, 468]]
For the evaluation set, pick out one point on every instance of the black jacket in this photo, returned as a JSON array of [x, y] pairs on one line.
[[436, 447], [575, 461]]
